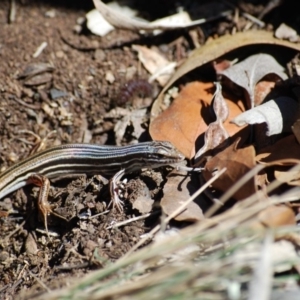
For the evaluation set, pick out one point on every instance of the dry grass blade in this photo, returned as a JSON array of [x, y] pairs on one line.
[[260, 285]]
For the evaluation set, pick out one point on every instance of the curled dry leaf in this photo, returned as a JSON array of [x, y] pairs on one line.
[[279, 115], [119, 20], [216, 134], [188, 118], [238, 162], [38, 79], [37, 74], [97, 24], [213, 49], [250, 71], [35, 69], [177, 190], [285, 152]]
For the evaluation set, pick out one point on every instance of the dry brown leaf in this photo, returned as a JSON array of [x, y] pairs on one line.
[[285, 149], [213, 49], [263, 88], [177, 190], [250, 71], [238, 162], [188, 118], [276, 216], [279, 115]]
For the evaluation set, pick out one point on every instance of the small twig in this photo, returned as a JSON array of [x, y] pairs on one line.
[[254, 20], [131, 220], [66, 268], [40, 49], [270, 6], [15, 231], [166, 70], [42, 284], [12, 12], [98, 215], [31, 106], [261, 283]]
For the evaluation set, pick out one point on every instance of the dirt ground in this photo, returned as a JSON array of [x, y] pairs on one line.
[[70, 96]]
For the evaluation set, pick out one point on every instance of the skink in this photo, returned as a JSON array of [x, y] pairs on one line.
[[89, 159]]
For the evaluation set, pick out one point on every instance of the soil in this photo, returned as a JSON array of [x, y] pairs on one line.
[[69, 88]]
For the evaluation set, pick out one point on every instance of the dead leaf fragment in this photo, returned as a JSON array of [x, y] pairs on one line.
[[35, 69], [175, 196], [279, 115], [38, 79], [153, 61], [238, 162], [143, 203], [135, 118], [286, 32], [250, 71], [98, 25], [285, 152], [264, 88]]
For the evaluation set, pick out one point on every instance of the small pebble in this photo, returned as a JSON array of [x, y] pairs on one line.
[[109, 77]]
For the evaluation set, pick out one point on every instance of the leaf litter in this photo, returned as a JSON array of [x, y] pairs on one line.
[[229, 156]]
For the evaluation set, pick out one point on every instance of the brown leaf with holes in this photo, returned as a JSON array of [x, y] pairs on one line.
[[186, 120], [178, 189], [238, 162], [285, 152]]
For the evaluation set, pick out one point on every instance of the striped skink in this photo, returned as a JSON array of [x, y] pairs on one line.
[[89, 159]]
